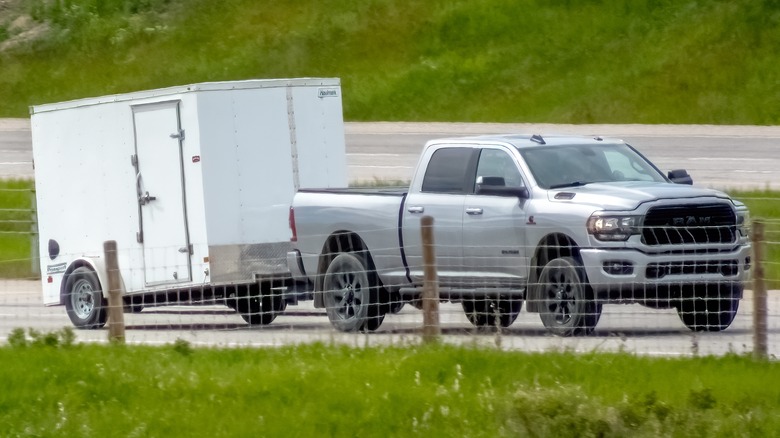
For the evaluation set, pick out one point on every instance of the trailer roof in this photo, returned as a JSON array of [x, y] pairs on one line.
[[181, 89]]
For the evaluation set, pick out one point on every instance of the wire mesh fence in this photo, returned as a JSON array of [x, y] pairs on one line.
[[512, 300]]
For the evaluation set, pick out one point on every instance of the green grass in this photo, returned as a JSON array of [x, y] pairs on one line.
[[52, 387], [764, 205], [16, 199], [621, 61]]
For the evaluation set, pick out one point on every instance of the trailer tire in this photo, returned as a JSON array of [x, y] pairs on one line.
[[259, 306], [84, 301], [351, 294]]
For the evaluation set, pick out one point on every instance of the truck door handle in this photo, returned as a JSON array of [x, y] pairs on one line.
[[415, 209], [473, 211]]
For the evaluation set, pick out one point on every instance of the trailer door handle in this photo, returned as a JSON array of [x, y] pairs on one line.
[[143, 200], [415, 209], [473, 211]]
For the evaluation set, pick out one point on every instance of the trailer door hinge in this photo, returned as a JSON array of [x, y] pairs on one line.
[[186, 249], [134, 160], [179, 135], [139, 237]]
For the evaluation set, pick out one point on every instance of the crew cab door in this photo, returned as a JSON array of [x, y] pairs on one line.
[[439, 190], [495, 252]]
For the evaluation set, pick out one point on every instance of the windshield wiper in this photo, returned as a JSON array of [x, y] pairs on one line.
[[569, 184]]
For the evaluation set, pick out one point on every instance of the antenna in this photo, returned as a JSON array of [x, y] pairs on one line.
[[538, 138]]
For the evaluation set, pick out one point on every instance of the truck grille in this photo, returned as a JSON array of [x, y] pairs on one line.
[[690, 224]]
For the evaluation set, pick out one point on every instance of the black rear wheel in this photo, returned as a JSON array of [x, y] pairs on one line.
[[492, 312], [351, 294]]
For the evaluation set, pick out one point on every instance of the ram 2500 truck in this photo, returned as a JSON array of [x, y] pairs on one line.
[[566, 224]]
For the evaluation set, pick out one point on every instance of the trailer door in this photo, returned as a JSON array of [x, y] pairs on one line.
[[160, 188]]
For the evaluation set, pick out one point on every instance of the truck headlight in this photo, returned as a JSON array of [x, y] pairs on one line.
[[743, 223], [614, 227]]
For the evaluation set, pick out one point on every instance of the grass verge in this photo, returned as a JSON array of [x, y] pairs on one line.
[[16, 222], [52, 387], [764, 205]]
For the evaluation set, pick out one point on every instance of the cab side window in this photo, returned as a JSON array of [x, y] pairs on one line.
[[495, 164]]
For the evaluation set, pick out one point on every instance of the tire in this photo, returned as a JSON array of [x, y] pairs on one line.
[[84, 301], [396, 306], [715, 313], [259, 307], [492, 312], [351, 294], [568, 308]]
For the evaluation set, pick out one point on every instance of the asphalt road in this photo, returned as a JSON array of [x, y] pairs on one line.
[[629, 328], [716, 156]]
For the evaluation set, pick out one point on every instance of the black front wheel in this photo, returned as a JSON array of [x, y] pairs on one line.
[[568, 307], [710, 310]]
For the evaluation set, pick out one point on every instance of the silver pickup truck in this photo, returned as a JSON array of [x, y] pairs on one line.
[[564, 223]]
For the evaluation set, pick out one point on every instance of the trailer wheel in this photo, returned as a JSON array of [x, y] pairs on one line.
[[568, 308], [84, 302], [259, 307], [714, 313], [351, 294]]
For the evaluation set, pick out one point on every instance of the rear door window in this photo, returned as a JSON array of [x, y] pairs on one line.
[[448, 171]]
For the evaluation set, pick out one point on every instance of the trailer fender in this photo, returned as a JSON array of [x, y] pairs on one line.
[[96, 264]]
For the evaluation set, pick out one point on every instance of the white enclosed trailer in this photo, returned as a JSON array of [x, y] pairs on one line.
[[194, 183]]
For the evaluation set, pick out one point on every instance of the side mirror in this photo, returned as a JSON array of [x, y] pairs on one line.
[[680, 176], [518, 192]]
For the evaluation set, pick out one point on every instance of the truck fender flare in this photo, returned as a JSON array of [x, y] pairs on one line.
[[564, 246], [98, 266], [344, 241]]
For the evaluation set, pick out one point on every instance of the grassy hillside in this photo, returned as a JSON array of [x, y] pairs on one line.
[[617, 61]]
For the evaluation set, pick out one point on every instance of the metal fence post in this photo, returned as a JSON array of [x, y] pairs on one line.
[[430, 295], [116, 317], [760, 340]]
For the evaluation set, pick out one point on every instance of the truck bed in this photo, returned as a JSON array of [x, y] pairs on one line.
[[387, 191]]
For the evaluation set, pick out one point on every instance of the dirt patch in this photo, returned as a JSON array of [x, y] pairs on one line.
[[17, 25]]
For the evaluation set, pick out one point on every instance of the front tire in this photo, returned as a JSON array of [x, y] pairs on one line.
[[84, 302], [714, 313], [492, 312], [568, 308], [351, 294]]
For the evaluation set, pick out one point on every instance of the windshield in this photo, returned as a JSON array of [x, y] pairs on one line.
[[576, 165]]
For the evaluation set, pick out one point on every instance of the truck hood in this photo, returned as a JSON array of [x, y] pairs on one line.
[[628, 195]]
